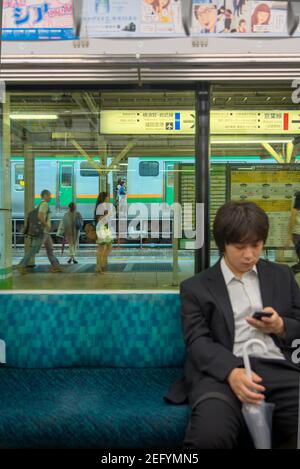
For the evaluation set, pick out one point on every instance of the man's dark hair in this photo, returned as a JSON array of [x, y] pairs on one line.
[[240, 222], [45, 192]]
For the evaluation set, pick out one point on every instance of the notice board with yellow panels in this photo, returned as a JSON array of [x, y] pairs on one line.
[[272, 188]]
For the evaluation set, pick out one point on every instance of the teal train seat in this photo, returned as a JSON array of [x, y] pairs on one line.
[[90, 370]]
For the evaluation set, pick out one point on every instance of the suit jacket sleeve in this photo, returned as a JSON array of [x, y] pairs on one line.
[[292, 318], [207, 355]]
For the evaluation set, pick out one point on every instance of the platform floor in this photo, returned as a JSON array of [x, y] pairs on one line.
[[127, 270]]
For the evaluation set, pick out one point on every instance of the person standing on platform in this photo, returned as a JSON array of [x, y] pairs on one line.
[[44, 219], [72, 224], [104, 236]]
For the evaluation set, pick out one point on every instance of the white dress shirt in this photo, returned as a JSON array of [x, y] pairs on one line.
[[245, 298]]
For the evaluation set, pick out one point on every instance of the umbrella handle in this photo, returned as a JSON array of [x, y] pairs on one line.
[[246, 356]]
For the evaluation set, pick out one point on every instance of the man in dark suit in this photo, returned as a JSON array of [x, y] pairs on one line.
[[217, 309]]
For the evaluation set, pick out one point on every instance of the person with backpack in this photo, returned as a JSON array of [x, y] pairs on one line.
[[38, 228], [72, 225]]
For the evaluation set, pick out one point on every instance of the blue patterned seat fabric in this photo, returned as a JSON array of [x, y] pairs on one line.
[[90, 371], [89, 408], [110, 330]]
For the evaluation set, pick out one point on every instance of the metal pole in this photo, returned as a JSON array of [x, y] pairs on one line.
[[202, 155], [174, 235], [29, 178]]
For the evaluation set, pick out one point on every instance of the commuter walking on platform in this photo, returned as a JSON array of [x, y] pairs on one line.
[[72, 224], [104, 235], [38, 229]]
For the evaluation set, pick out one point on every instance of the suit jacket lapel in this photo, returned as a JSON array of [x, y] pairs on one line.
[[217, 287], [266, 282]]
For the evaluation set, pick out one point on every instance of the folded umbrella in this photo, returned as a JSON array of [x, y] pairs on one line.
[[63, 243], [258, 417]]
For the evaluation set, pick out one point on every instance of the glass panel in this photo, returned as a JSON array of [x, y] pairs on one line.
[[19, 177], [87, 170], [66, 176], [255, 156], [149, 168], [135, 147]]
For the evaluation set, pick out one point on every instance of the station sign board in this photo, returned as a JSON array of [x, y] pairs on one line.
[[176, 122]]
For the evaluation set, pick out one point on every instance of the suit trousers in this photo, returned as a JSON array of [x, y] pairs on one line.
[[216, 422]]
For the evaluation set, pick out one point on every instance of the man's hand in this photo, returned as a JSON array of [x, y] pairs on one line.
[[246, 390], [272, 325]]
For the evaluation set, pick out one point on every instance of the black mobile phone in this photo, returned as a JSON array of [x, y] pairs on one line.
[[261, 314]]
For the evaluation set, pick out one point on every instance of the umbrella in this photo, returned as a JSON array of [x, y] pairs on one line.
[[2, 352], [258, 417], [63, 243]]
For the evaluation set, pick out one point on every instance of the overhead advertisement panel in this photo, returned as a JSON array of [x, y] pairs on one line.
[[132, 18], [183, 122], [52, 19], [27, 20], [163, 18]]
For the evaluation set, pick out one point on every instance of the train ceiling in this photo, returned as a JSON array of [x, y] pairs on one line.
[[79, 114]]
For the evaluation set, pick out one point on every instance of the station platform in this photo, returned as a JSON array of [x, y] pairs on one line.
[[127, 269]]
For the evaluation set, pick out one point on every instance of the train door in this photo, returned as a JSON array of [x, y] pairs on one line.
[[169, 183], [66, 185]]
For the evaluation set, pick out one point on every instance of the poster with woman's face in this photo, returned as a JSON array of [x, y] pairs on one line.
[[268, 16], [243, 17], [161, 17]]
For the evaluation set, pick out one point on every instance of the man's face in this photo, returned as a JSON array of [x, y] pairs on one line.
[[47, 197], [207, 15], [243, 257]]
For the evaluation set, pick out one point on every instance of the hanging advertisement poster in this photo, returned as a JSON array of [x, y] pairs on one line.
[[109, 18], [27, 20], [53, 19], [240, 17], [131, 18], [160, 17], [268, 17]]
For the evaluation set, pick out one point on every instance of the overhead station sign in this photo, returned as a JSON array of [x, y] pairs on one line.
[[143, 122], [255, 122], [147, 122]]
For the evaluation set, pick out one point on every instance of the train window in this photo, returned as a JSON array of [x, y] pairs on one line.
[[149, 168], [86, 170], [19, 177], [66, 176]]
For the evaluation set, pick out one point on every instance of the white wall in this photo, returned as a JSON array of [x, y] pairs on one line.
[[159, 46]]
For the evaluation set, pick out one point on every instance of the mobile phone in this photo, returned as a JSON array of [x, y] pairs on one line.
[[261, 314]]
